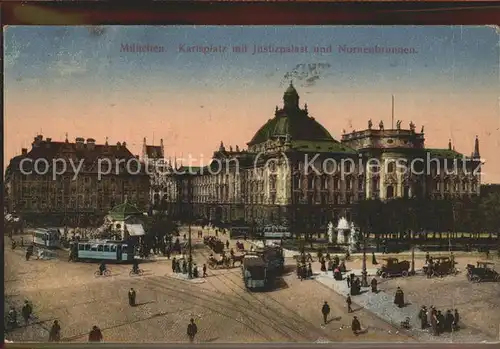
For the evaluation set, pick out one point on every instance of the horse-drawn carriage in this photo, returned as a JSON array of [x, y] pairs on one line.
[[393, 267], [482, 271], [223, 262], [237, 258], [240, 246], [440, 266]]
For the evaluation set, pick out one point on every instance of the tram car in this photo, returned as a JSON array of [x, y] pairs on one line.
[[254, 270], [102, 250], [47, 237], [274, 258]]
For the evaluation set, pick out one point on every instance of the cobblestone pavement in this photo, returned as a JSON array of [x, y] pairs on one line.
[[477, 303], [223, 310]]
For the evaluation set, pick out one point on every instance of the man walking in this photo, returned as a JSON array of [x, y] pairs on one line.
[[192, 329], [325, 310], [349, 303]]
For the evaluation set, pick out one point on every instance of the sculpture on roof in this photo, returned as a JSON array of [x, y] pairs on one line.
[[422, 130], [370, 124], [381, 125], [237, 148], [398, 124], [412, 126]]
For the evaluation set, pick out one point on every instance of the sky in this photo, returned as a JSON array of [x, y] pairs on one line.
[[80, 80]]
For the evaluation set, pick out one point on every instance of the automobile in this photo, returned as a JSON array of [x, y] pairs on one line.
[[482, 271], [393, 267]]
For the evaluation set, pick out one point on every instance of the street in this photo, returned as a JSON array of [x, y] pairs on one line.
[[223, 310]]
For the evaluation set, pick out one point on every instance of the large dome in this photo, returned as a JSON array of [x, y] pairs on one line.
[[292, 121]]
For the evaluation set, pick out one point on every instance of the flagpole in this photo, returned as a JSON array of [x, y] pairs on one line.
[[392, 119]]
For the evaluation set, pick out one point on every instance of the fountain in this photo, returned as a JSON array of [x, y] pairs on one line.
[[347, 234]]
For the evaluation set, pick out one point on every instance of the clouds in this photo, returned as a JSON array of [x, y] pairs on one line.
[[70, 64]]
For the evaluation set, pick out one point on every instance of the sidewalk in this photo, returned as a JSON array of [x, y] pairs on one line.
[[382, 305]]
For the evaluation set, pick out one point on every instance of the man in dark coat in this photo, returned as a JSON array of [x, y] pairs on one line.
[[399, 298], [348, 279], [441, 319], [131, 297], [192, 329], [26, 311], [174, 265], [323, 265], [349, 303], [456, 319], [95, 335], [356, 326], [204, 270], [374, 260], [449, 320], [422, 315], [374, 284], [434, 322], [55, 332], [325, 310]]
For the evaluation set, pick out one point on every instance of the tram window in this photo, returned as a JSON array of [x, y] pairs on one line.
[[100, 248], [112, 248], [106, 248], [93, 248], [124, 247], [87, 247], [81, 247]]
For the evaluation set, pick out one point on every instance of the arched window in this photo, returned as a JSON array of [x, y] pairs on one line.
[[390, 192]]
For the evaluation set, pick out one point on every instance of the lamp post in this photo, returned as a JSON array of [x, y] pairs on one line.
[[364, 273], [190, 214], [412, 271]]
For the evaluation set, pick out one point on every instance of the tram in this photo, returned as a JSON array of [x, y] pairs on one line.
[[102, 250], [254, 270], [49, 237]]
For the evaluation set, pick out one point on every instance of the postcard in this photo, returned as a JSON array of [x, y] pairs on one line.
[[252, 184]]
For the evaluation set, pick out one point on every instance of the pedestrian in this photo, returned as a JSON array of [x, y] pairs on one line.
[[325, 310], [456, 318], [95, 335], [205, 270], [399, 298], [348, 279], [131, 297], [349, 304], [356, 326], [192, 329], [374, 284], [374, 260], [227, 244], [55, 332], [26, 311], [449, 320], [422, 315]]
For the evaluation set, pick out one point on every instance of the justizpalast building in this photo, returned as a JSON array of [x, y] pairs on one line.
[[293, 170]]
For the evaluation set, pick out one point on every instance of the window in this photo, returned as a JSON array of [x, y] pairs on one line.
[[100, 248], [106, 248], [87, 247], [93, 248], [112, 248], [81, 247], [391, 166], [390, 192]]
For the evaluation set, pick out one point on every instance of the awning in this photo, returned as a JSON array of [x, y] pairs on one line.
[[135, 229]]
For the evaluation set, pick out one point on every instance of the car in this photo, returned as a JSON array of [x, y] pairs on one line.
[[393, 267], [482, 271]]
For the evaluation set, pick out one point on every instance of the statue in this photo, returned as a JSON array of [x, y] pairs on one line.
[[237, 148], [343, 131], [398, 124], [353, 239], [231, 148], [370, 124], [381, 125], [412, 126], [330, 232], [422, 130]]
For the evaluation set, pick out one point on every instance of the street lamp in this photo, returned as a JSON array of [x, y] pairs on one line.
[[364, 273]]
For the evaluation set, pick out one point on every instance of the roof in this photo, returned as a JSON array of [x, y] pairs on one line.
[[254, 262], [292, 122], [135, 229], [483, 262], [444, 153], [322, 147], [154, 151], [88, 152], [124, 210]]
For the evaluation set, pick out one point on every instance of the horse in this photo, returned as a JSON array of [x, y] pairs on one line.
[[215, 264], [238, 258]]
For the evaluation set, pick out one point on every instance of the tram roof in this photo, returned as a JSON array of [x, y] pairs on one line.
[[253, 262]]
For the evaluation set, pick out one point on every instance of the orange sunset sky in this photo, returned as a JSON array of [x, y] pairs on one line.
[[78, 80]]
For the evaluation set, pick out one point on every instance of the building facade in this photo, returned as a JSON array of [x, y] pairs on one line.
[[73, 183], [294, 172]]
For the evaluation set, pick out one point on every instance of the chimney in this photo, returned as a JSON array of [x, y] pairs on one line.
[[24, 151], [79, 141], [124, 144], [118, 145], [449, 144], [90, 143], [36, 141]]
